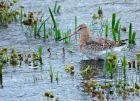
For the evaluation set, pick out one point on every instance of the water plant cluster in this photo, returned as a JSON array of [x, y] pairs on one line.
[[108, 88], [50, 95], [7, 13], [14, 58], [37, 26], [115, 29]]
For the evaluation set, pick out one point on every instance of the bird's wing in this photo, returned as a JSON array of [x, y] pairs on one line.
[[99, 44]]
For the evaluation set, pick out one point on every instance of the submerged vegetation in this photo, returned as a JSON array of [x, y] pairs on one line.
[[15, 58], [7, 13], [105, 82]]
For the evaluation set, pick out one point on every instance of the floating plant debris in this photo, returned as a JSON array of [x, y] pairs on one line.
[[69, 68], [7, 14], [49, 94]]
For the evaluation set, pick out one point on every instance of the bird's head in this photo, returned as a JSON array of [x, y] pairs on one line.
[[84, 32]]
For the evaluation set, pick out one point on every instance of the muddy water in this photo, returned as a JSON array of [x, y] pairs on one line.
[[26, 84]]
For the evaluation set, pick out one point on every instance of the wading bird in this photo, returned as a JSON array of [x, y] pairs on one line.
[[95, 47]]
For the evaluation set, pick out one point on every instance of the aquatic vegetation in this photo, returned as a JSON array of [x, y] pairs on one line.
[[69, 68], [138, 60], [132, 35], [40, 50], [111, 63], [123, 29], [34, 23], [57, 8], [67, 40], [49, 94], [124, 63], [1, 77], [99, 90], [87, 72], [14, 58], [57, 30], [100, 13], [51, 73], [21, 15], [116, 28], [106, 31], [56, 77], [75, 23], [7, 14]]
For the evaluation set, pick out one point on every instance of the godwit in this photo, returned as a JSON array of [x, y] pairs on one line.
[[95, 47]]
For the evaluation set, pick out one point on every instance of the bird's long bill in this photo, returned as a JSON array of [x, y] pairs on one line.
[[76, 32]]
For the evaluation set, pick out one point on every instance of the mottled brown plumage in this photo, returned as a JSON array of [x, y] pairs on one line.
[[93, 47]]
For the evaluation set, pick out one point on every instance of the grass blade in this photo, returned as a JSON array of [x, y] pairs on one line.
[[130, 34], [113, 20]]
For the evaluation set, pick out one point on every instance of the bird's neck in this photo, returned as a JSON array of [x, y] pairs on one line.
[[85, 36]]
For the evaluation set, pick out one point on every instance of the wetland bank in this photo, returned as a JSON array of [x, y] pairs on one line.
[[36, 66]]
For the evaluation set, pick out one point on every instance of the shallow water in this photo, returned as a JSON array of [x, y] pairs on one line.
[[20, 83]]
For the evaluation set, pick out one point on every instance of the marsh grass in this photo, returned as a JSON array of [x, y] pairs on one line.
[[51, 73], [106, 31], [75, 23], [56, 77], [67, 39], [1, 75], [119, 34], [116, 28], [7, 13], [21, 15], [57, 8], [132, 35], [124, 64], [57, 30], [45, 33], [35, 30], [113, 20], [40, 50]]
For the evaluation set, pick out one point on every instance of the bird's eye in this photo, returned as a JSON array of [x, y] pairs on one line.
[[80, 28]]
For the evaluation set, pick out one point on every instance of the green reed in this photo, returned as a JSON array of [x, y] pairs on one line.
[[67, 39], [51, 73], [58, 34], [133, 37], [35, 29], [130, 34], [75, 23], [124, 64], [114, 35], [21, 14], [105, 64], [116, 27], [110, 70], [1, 75], [113, 20], [57, 31], [119, 34], [57, 8], [106, 31], [53, 20], [40, 51], [45, 34], [42, 25], [56, 76]]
